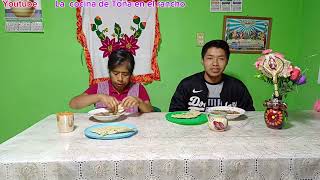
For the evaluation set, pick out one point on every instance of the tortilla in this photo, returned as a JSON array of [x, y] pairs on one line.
[[103, 114], [109, 113], [108, 130], [120, 110], [187, 115]]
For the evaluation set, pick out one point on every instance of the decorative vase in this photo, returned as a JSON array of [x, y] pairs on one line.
[[276, 113]]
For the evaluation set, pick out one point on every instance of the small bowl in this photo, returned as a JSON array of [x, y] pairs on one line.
[[108, 118], [23, 12]]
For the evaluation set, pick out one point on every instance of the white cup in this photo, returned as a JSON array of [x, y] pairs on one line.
[[65, 122], [217, 122]]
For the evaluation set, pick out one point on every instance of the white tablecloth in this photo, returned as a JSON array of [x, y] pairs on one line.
[[163, 150]]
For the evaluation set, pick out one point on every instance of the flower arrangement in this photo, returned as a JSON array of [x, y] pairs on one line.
[[118, 38], [273, 68]]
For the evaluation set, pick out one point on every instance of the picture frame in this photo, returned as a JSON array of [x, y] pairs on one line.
[[245, 34]]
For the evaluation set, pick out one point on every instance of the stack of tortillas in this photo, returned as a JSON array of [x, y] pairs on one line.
[[107, 130], [187, 115]]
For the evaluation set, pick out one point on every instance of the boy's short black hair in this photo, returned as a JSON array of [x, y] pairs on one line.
[[217, 44]]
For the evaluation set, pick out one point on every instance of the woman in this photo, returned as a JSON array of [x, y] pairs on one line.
[[118, 90]]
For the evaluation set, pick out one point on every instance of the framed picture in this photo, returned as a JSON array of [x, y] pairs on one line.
[[24, 19], [226, 6], [247, 34]]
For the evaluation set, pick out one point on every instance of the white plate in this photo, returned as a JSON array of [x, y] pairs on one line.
[[93, 113], [228, 108]]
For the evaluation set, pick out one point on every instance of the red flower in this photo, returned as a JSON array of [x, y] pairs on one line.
[[129, 43], [108, 46], [143, 25], [136, 20], [98, 20], [316, 106], [295, 73], [135, 17]]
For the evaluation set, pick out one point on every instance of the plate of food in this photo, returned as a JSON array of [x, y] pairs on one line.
[[187, 117], [105, 115], [232, 112], [110, 131]]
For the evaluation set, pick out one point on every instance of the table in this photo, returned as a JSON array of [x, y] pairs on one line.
[[163, 150]]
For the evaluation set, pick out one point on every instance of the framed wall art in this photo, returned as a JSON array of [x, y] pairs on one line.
[[246, 34]]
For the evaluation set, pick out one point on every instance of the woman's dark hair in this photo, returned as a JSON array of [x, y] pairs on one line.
[[217, 44], [120, 56]]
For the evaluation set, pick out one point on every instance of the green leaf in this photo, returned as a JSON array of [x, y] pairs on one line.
[[117, 29], [105, 30], [93, 27], [132, 28], [100, 35], [137, 34]]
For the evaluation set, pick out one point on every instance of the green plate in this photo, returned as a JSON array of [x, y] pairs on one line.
[[194, 121]]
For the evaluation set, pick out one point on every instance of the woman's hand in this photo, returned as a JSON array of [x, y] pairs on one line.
[[131, 101], [109, 101]]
